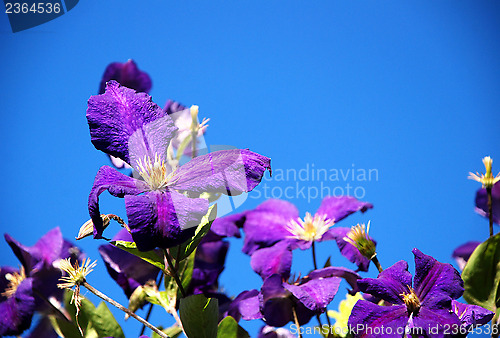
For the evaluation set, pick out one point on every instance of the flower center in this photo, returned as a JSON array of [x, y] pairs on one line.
[[14, 280], [358, 236], [310, 229], [154, 172], [411, 301]]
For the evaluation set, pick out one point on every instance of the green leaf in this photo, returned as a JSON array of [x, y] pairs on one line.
[[229, 328], [186, 248], [172, 332], [481, 275], [152, 257], [64, 328], [186, 272], [199, 316], [105, 323]]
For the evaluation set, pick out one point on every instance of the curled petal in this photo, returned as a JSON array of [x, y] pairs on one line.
[[274, 260], [340, 207], [230, 172], [118, 185], [246, 305], [463, 252], [482, 202], [350, 276], [390, 283], [435, 283], [471, 314], [315, 294], [229, 226], [163, 219], [117, 114]]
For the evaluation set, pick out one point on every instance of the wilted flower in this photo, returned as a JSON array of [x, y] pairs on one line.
[[130, 126], [487, 179]]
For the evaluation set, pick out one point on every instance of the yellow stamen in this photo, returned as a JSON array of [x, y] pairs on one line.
[[487, 180], [154, 173], [411, 301], [310, 229], [358, 236], [14, 280]]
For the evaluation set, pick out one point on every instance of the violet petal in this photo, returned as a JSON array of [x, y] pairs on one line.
[[348, 250], [435, 283], [128, 75], [274, 260], [370, 320], [17, 310], [338, 208], [163, 219], [246, 305], [471, 314], [482, 202], [315, 294]]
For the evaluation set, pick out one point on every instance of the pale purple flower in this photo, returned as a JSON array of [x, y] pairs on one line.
[[130, 126]]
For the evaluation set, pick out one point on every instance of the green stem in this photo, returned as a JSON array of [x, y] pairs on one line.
[[490, 210], [124, 309], [314, 256], [150, 307], [377, 263], [174, 272]]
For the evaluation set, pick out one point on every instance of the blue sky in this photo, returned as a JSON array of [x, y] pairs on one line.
[[409, 89]]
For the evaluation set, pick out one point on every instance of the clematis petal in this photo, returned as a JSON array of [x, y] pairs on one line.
[[163, 219], [339, 207], [348, 250], [389, 284], [229, 226], [118, 114], [128, 75], [463, 252], [471, 314], [128, 270], [435, 322], [370, 320], [350, 276], [17, 310], [246, 305], [118, 185], [230, 172], [482, 202], [43, 329], [435, 283], [315, 294], [274, 260]]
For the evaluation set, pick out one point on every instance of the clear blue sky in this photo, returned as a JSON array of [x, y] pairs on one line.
[[409, 88]]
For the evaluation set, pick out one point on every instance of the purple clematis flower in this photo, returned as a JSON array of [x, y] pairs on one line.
[[463, 253], [17, 303], [277, 299], [482, 202], [424, 308], [128, 75], [40, 262], [130, 126], [128, 270], [208, 264], [277, 220], [274, 260]]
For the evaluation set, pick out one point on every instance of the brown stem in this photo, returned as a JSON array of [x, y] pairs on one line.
[[296, 319], [490, 210], [377, 263], [314, 256], [124, 309]]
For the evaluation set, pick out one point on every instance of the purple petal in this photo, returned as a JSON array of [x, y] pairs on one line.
[[435, 322], [463, 252], [17, 310], [229, 226], [265, 225], [348, 250], [118, 185], [371, 320], [315, 294], [43, 329], [435, 283], [172, 107], [163, 219], [340, 207], [482, 202], [389, 284], [471, 314], [246, 305], [128, 75], [118, 114], [274, 260], [127, 270], [272, 332], [230, 172], [350, 276]]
